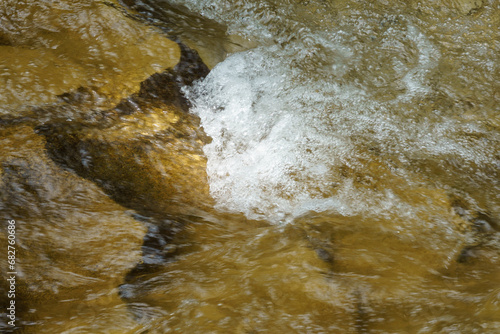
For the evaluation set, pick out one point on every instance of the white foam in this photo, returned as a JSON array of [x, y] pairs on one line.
[[286, 116], [271, 142]]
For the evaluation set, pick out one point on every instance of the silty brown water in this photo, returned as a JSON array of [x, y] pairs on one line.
[[349, 183]]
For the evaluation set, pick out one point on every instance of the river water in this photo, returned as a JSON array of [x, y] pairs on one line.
[[353, 168]]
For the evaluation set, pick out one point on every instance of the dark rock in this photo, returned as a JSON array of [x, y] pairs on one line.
[[165, 88]]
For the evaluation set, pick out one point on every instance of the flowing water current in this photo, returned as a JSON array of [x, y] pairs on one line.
[[352, 169], [337, 86]]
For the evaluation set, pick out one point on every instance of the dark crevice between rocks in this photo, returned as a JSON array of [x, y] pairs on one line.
[[166, 87], [68, 146], [158, 247], [159, 90], [162, 245]]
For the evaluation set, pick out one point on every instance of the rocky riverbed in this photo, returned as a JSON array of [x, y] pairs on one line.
[[250, 167]]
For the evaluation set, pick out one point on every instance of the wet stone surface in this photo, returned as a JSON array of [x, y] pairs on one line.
[[147, 151], [338, 173], [74, 245]]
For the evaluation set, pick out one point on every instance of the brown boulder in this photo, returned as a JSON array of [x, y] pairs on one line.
[[67, 44], [147, 152], [73, 244]]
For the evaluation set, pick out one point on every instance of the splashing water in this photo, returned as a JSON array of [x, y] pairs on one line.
[[298, 121]]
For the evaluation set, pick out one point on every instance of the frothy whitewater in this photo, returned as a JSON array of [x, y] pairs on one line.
[[336, 110]]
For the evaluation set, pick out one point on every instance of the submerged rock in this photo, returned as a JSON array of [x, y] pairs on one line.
[[147, 151], [208, 36], [73, 244], [67, 44], [129, 133]]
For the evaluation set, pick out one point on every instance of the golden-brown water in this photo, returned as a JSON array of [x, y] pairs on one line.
[[335, 172]]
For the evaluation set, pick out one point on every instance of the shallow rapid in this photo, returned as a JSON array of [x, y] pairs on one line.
[[334, 88], [336, 171]]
